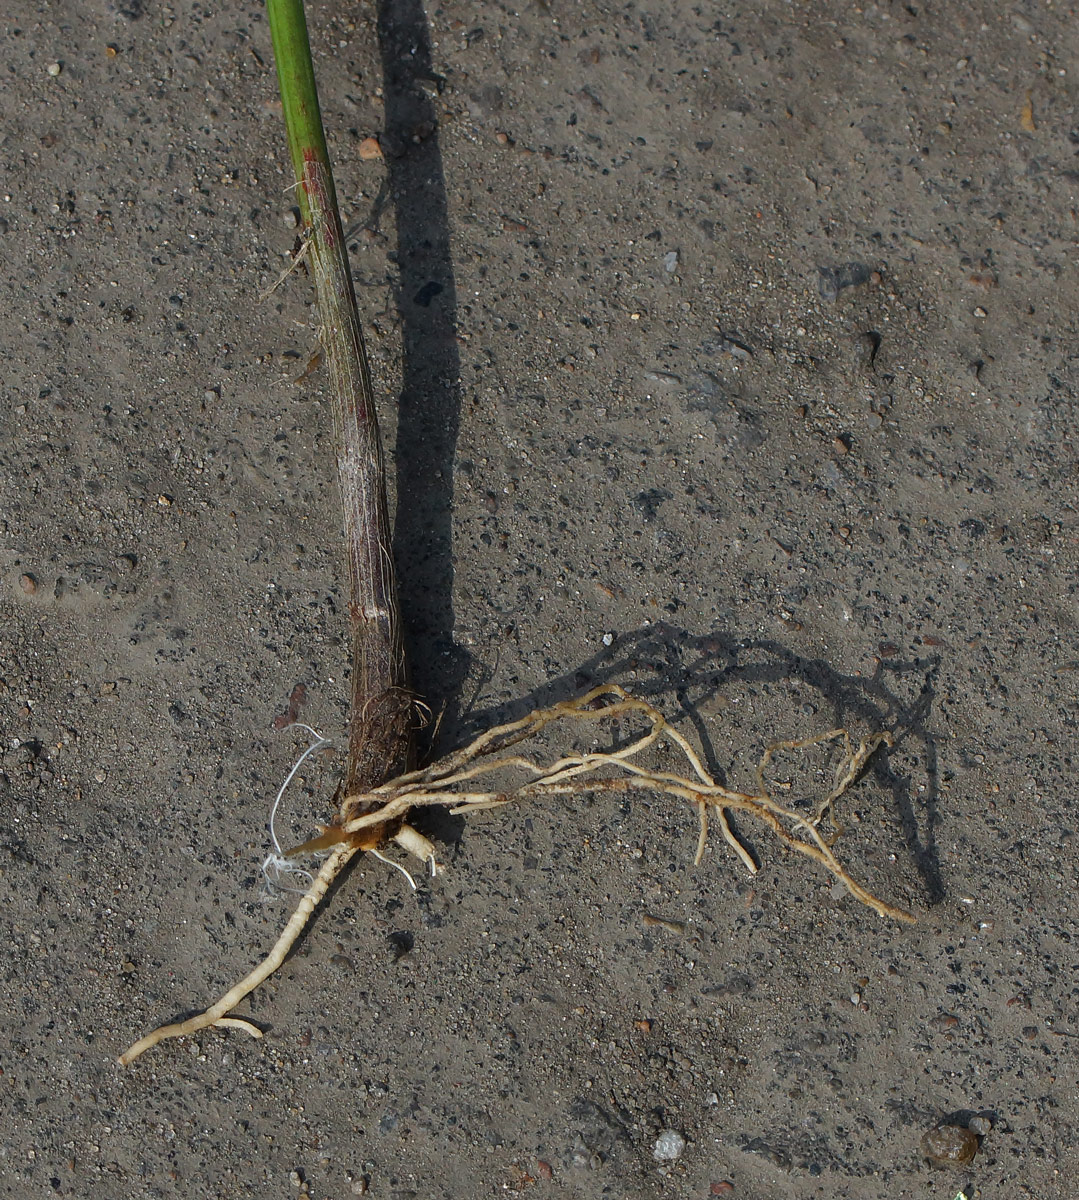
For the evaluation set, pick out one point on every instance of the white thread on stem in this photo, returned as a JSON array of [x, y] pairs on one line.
[[390, 862], [276, 868]]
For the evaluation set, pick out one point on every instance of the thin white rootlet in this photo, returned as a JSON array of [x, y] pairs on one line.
[[397, 866], [279, 873], [283, 875]]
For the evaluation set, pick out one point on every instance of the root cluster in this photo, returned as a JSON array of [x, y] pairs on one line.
[[464, 783]]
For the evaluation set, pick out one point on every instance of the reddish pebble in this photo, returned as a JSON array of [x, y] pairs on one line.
[[28, 584], [722, 1188], [370, 149], [543, 1169], [950, 1144]]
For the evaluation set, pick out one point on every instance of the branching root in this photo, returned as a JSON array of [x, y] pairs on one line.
[[457, 783], [216, 1013]]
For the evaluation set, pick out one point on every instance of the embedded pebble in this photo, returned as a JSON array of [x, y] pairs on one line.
[[950, 1144], [865, 348], [778, 1158], [733, 347], [669, 1146], [54, 69], [832, 280]]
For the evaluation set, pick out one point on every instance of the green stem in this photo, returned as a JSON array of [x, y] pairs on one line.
[[379, 732], [299, 93]]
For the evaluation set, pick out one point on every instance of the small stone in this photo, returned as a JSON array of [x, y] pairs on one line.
[[26, 753], [669, 1146], [670, 262], [292, 218], [980, 1125], [370, 148], [832, 280], [865, 347], [778, 1158], [950, 1144], [28, 584], [607, 639], [980, 312], [54, 69], [164, 501]]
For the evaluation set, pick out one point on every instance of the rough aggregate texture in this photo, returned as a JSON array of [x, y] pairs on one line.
[[728, 353]]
